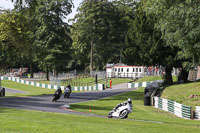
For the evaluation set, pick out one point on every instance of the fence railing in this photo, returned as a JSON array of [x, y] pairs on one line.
[[141, 84], [197, 113], [98, 87]]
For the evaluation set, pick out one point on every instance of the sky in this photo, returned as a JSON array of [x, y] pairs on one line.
[[7, 4]]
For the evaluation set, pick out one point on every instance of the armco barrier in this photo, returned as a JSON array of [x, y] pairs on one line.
[[141, 84], [98, 87], [197, 112], [173, 107]]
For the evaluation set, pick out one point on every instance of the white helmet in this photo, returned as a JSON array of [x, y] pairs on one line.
[[129, 100]]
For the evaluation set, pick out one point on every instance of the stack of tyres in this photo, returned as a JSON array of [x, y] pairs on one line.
[[147, 99], [2, 92], [149, 90]]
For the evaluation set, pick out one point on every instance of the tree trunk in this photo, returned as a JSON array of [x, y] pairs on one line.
[[185, 75], [31, 69], [55, 73], [47, 73], [91, 57], [168, 76]]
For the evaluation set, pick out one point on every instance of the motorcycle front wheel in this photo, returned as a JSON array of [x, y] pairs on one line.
[[123, 114], [110, 115]]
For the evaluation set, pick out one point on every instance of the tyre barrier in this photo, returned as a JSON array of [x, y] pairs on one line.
[[2, 92], [97, 87], [173, 107]]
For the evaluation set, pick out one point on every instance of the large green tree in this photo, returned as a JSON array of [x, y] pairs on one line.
[[12, 38], [27, 9], [52, 36], [98, 34], [179, 25], [148, 44]]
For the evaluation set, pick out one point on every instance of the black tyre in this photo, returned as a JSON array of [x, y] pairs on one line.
[[123, 114], [65, 95], [110, 115], [53, 99]]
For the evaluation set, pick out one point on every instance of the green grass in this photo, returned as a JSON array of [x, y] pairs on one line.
[[141, 112], [22, 121], [149, 78], [181, 92], [116, 81], [84, 81], [75, 81], [142, 120], [153, 78], [31, 90]]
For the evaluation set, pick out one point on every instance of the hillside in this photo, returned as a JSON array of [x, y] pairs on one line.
[[188, 94]]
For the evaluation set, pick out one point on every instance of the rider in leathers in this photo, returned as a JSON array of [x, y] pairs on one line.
[[129, 101]]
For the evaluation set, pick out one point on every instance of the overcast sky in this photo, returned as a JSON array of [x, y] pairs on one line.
[[7, 4]]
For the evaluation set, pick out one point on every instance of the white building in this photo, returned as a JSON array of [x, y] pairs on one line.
[[124, 71]]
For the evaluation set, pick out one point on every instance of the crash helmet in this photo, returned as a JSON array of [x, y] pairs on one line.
[[129, 100]]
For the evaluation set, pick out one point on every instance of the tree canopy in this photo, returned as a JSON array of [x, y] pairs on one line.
[[136, 32]]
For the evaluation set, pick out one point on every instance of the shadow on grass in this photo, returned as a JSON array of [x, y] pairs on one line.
[[134, 95], [87, 107], [107, 104]]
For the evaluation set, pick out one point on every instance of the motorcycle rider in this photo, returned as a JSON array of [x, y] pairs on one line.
[[67, 91], [70, 88], [57, 94], [129, 101], [58, 91]]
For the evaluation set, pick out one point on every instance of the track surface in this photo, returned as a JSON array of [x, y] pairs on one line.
[[44, 102]]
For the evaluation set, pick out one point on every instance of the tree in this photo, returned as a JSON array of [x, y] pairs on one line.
[[53, 40], [97, 34], [147, 41], [12, 38], [27, 9], [179, 25]]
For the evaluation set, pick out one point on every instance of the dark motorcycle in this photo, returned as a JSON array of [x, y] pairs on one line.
[[57, 95]]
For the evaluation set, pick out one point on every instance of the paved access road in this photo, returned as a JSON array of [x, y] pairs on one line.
[[44, 102]]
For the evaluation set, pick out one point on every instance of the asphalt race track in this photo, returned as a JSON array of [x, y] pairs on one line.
[[44, 102]]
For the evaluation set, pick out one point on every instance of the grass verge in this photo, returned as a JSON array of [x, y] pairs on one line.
[[30, 90], [22, 121], [143, 119], [181, 93]]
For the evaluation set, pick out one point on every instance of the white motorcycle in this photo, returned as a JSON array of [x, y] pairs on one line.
[[67, 92], [121, 110]]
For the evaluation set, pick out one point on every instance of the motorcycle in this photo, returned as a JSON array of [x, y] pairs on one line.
[[57, 95], [67, 92], [121, 111]]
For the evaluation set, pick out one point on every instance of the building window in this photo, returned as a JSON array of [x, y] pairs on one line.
[[136, 70], [140, 70], [133, 69], [115, 69], [118, 69], [127, 69], [121, 69]]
